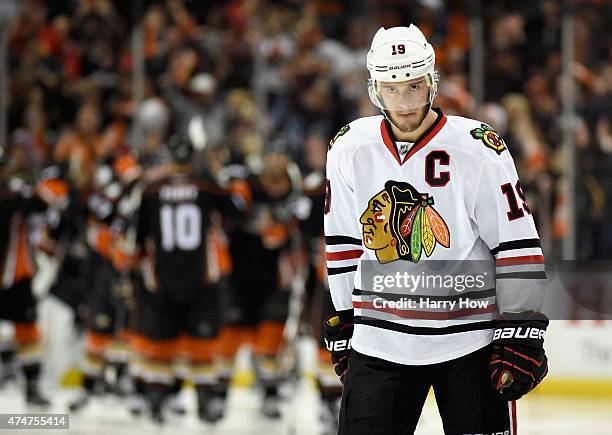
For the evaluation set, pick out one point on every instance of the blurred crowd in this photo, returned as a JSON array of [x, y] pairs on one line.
[[104, 94], [283, 76]]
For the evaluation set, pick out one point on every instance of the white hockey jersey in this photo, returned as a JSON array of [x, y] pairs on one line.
[[452, 195]]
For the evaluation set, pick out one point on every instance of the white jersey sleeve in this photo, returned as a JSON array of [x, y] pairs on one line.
[[343, 245], [505, 224]]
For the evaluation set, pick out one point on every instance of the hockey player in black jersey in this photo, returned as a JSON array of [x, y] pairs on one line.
[[108, 296], [263, 249], [19, 203], [178, 314]]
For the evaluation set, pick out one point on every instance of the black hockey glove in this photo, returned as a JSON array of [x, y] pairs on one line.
[[338, 333], [518, 362]]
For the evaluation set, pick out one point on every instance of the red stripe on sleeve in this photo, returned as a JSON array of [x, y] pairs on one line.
[[525, 259], [343, 255]]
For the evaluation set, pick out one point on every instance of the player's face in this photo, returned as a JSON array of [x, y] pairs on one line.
[[275, 183], [406, 102], [376, 221]]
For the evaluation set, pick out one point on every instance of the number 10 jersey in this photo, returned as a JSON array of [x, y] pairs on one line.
[[181, 245]]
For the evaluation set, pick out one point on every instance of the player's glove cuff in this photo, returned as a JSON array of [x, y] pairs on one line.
[[518, 361], [338, 329]]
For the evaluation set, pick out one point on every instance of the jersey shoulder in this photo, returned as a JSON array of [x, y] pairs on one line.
[[478, 137], [152, 187], [360, 131]]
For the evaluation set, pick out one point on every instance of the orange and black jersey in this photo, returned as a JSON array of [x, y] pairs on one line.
[[100, 213], [16, 206], [116, 177], [273, 218], [176, 230]]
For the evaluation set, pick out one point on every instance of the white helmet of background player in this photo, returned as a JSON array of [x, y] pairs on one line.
[[401, 55]]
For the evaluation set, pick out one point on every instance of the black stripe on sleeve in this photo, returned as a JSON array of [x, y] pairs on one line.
[[342, 240], [516, 244], [339, 270], [522, 275], [419, 330]]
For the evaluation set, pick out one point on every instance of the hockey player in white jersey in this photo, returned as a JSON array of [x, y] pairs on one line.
[[404, 189]]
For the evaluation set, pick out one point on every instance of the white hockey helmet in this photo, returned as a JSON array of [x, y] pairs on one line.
[[401, 55]]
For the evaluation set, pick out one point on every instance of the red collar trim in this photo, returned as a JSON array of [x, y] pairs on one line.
[[427, 136], [388, 141]]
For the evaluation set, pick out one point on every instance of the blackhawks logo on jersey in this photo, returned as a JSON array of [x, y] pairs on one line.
[[400, 224], [342, 131], [489, 137]]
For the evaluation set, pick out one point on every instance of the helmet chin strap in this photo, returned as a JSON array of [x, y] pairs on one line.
[[388, 118]]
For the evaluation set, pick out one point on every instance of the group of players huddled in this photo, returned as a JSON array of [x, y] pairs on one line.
[[180, 256]]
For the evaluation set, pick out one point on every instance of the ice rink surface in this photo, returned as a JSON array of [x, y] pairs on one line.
[[537, 415]]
